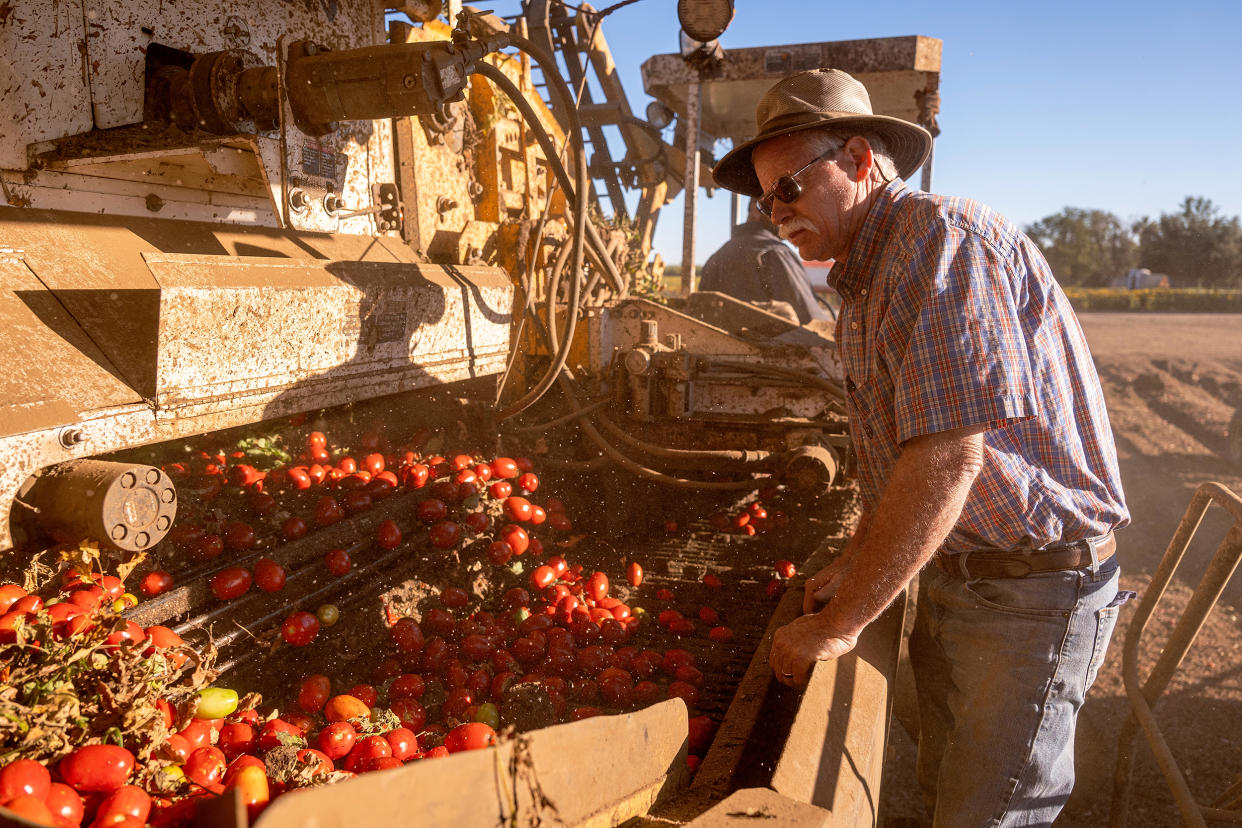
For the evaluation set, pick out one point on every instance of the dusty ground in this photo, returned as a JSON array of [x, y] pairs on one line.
[[1173, 382]]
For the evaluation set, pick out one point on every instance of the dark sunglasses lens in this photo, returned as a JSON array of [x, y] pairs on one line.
[[788, 189], [765, 206]]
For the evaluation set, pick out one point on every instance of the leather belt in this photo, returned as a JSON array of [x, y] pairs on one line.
[[1007, 563]]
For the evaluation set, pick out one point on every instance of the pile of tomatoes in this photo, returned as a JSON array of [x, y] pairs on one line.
[[456, 671]]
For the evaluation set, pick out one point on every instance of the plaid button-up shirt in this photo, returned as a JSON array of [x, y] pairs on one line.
[[952, 318]]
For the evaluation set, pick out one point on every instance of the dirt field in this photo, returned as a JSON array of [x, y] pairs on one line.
[[1173, 382]]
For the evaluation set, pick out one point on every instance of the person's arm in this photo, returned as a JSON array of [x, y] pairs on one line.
[[918, 508], [821, 586]]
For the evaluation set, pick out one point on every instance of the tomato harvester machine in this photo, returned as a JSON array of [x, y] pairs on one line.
[[220, 213]]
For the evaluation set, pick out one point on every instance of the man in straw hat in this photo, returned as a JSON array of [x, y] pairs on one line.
[[983, 449]]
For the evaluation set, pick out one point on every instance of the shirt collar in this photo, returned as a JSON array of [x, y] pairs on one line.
[[853, 274]]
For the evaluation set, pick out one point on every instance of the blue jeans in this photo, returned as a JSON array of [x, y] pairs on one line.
[[1002, 666]]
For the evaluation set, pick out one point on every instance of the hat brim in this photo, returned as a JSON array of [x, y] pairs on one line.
[[909, 144]]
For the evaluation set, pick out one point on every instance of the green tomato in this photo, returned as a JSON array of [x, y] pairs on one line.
[[328, 614], [488, 714], [215, 703], [519, 615]]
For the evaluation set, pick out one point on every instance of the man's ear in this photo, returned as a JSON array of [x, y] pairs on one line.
[[859, 150]]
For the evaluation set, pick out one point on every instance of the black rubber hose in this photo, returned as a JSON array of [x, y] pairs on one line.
[[561, 89], [567, 384], [734, 461], [501, 80], [776, 370]]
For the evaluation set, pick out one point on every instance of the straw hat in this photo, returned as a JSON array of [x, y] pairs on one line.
[[821, 98]]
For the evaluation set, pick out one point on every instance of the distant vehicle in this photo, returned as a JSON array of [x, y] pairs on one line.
[[1140, 278]]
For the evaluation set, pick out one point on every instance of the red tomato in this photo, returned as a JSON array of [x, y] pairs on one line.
[[30, 808], [785, 569], [153, 583], [313, 692], [269, 736], [407, 686], [483, 472], [373, 463], [439, 621], [415, 477], [328, 511], [516, 537], [537, 515], [93, 768], [477, 522], [410, 711], [445, 534], [318, 761], [364, 693], [348, 465], [709, 616], [461, 461], [356, 501], [407, 635], [721, 635], [686, 692], [500, 489], [403, 742], [269, 576], [237, 738], [300, 628], [597, 586], [365, 751], [231, 583], [469, 736], [634, 574], [516, 597], [454, 597], [528, 481], [261, 503], [9, 593], [24, 777], [388, 535], [252, 786], [774, 588], [543, 576], [337, 739], [316, 440], [338, 562], [559, 522], [518, 508], [239, 536], [431, 511], [65, 804], [208, 547], [711, 581], [503, 467], [196, 734], [499, 553], [205, 766]]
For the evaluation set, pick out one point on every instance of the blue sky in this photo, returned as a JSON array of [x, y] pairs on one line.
[[1120, 106]]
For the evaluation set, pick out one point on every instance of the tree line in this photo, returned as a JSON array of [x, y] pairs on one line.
[[1196, 246]]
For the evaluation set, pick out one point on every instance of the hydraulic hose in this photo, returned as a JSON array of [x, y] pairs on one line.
[[566, 101], [501, 80], [735, 461], [776, 370], [567, 384]]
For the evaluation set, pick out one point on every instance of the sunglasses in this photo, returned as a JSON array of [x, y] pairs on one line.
[[787, 188]]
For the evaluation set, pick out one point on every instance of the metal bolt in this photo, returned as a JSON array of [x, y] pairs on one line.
[[128, 480], [444, 204], [409, 81], [70, 437], [142, 540], [118, 531]]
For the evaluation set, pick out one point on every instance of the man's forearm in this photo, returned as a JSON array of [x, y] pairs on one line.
[[920, 504]]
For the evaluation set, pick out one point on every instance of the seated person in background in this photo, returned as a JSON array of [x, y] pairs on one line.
[[756, 266]]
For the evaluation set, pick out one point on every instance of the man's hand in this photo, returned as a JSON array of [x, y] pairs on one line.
[[798, 645], [823, 585]]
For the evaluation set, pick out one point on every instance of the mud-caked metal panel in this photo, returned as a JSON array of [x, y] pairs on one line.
[[249, 331], [43, 75], [53, 372]]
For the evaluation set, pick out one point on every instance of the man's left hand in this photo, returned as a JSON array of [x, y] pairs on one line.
[[799, 644]]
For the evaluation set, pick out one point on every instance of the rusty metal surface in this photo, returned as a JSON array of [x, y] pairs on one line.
[[504, 786], [892, 68]]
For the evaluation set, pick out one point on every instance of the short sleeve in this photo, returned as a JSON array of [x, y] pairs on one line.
[[966, 361]]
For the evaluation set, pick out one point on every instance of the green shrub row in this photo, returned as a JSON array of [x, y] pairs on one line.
[[1166, 300]]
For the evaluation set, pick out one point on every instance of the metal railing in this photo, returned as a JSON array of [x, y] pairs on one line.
[[1143, 695]]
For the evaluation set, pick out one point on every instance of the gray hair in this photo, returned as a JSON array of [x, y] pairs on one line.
[[827, 139]]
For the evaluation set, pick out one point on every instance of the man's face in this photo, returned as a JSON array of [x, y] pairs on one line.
[[821, 222]]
